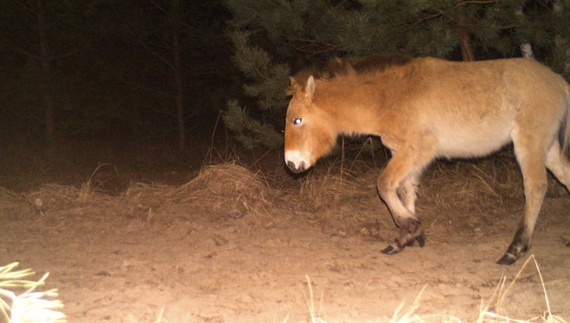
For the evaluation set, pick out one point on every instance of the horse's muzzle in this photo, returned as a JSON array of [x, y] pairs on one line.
[[294, 167]]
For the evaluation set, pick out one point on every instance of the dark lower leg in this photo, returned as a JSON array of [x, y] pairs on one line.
[[410, 232], [517, 248]]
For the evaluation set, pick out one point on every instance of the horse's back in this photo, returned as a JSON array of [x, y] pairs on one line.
[[474, 108]]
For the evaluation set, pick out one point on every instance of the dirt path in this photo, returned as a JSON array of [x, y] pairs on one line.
[[198, 269]]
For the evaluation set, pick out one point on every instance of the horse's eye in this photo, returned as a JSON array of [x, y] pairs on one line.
[[297, 120]]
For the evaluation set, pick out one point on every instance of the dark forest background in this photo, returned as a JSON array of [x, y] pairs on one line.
[[134, 85], [153, 89]]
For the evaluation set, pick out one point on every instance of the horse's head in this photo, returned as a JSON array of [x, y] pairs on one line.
[[309, 133]]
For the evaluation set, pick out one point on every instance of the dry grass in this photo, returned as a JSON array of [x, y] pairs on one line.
[[485, 188], [489, 183], [349, 196], [218, 188], [342, 196], [496, 311], [228, 181], [480, 185], [17, 306]]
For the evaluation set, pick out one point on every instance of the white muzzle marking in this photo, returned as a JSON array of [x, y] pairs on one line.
[[297, 160]]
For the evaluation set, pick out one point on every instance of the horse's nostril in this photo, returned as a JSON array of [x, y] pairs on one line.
[[291, 166], [294, 167]]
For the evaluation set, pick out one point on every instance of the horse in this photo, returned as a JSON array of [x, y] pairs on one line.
[[428, 108]]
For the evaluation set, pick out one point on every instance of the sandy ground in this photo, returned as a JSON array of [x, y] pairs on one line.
[[229, 266]]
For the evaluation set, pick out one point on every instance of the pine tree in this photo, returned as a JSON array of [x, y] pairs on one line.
[[273, 38]]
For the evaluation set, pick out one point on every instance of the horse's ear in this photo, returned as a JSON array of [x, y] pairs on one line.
[[294, 87], [292, 82], [350, 69], [310, 87]]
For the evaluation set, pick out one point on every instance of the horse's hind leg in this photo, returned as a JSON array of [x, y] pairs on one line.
[[397, 187], [532, 163], [558, 164]]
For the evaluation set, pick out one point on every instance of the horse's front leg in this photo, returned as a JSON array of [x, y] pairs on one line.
[[407, 192], [397, 187]]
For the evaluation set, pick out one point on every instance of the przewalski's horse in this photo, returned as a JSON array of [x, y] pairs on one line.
[[427, 108]]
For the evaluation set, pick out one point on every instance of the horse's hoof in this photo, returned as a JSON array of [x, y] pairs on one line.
[[391, 250], [507, 259]]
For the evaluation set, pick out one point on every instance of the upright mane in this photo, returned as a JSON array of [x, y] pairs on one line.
[[338, 67], [369, 64]]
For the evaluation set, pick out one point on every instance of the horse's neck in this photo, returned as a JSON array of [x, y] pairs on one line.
[[354, 112]]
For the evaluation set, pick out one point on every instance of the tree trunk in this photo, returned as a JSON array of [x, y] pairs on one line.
[[466, 49], [558, 8], [178, 79], [467, 54], [46, 86]]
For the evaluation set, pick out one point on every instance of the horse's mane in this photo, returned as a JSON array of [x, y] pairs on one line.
[[369, 64], [342, 67]]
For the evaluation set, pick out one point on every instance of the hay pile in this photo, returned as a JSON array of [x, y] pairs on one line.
[[220, 190], [489, 185], [226, 189], [337, 197], [476, 186], [48, 198], [230, 191], [10, 205]]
